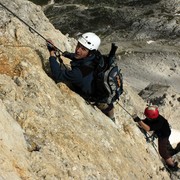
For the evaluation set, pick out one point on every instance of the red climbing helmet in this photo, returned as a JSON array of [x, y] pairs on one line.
[[151, 112]]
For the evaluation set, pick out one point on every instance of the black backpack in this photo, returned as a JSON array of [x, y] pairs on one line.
[[107, 84]]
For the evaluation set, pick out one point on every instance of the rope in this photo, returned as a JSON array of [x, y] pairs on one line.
[[124, 109], [149, 138], [28, 26]]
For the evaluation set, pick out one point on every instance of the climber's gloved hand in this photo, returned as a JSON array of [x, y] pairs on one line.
[[50, 46], [66, 54], [136, 118]]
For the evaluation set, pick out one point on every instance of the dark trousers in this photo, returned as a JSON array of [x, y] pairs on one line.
[[164, 147]]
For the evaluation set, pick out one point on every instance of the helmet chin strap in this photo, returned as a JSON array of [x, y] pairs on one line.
[[92, 52]]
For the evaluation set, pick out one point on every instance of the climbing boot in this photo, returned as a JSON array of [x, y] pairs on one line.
[[173, 168]]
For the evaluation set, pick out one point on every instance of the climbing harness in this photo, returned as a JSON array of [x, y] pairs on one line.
[[29, 26], [149, 137]]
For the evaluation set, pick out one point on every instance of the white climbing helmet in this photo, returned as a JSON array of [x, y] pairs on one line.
[[89, 40]]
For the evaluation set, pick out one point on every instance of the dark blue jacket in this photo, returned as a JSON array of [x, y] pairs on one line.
[[79, 76]]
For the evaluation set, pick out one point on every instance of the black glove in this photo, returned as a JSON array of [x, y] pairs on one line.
[[66, 54], [50, 46], [136, 118]]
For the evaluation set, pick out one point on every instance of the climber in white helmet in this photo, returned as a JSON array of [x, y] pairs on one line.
[[80, 76]]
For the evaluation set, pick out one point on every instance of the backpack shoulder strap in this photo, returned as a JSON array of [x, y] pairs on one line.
[[89, 67]]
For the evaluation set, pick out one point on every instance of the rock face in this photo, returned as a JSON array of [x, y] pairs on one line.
[[48, 131]]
